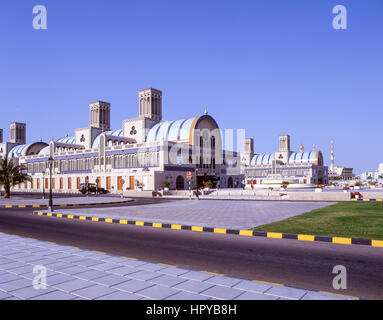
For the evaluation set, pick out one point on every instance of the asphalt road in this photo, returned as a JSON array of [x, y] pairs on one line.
[[299, 264]]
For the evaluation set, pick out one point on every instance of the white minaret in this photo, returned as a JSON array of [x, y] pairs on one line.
[[332, 167]]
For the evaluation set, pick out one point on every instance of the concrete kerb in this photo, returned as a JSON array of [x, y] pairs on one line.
[[11, 206], [229, 198], [246, 233]]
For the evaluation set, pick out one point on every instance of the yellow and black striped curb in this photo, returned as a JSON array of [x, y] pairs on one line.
[[367, 200], [11, 206], [247, 233]]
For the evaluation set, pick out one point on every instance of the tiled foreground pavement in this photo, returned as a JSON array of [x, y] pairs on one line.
[[74, 273]]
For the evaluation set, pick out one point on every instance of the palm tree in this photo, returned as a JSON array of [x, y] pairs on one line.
[[11, 175]]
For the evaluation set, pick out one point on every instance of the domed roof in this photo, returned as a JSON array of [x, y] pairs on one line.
[[112, 133], [69, 140], [294, 158], [22, 150], [176, 129]]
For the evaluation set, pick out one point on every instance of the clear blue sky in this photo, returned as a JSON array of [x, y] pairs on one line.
[[269, 66]]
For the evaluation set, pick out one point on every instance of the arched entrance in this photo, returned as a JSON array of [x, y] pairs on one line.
[[230, 182], [180, 183]]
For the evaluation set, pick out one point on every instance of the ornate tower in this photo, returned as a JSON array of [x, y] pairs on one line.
[[248, 151], [284, 143], [332, 167], [18, 132], [150, 104], [100, 115]]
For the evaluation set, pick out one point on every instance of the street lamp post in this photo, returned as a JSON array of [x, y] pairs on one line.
[[43, 184], [50, 184]]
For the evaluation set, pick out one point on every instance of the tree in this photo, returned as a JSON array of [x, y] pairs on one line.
[[11, 175]]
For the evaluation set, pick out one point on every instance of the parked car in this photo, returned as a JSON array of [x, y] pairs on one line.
[[90, 188]]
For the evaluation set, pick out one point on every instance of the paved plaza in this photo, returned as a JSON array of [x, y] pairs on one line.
[[74, 273], [208, 213]]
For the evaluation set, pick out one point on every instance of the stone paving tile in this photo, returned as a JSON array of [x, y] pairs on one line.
[[133, 285], [312, 295], [73, 270], [73, 259], [88, 262], [183, 295], [16, 255], [286, 292], [45, 252], [30, 292], [60, 255], [58, 278], [221, 292], [168, 281], [105, 266], [193, 286], [173, 271], [90, 274], [252, 286], [15, 284], [55, 295], [8, 277], [157, 292], [93, 292], [72, 285], [110, 280], [255, 296], [119, 295], [223, 281], [31, 258], [30, 275], [132, 263], [22, 270], [5, 261], [11, 265], [150, 267], [59, 265], [84, 252], [114, 259], [196, 275], [4, 295], [122, 271], [143, 275]]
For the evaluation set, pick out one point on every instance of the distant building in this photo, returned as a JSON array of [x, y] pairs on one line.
[[144, 153], [337, 172], [373, 175], [296, 167]]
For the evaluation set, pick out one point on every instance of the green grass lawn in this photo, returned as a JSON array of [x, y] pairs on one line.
[[351, 220]]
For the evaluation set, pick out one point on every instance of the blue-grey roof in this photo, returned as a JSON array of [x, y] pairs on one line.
[[176, 129], [113, 133], [69, 140], [18, 151], [294, 157]]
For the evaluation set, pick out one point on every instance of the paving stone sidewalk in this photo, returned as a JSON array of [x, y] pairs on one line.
[[74, 273], [208, 213]]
